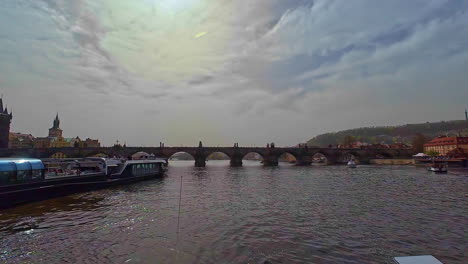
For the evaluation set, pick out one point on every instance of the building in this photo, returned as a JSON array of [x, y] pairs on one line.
[[459, 153], [59, 142], [55, 131], [444, 145], [18, 140], [89, 143], [5, 121], [55, 139]]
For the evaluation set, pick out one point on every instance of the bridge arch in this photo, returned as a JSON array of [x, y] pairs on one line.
[[210, 155], [347, 156], [217, 158], [320, 157], [58, 155], [383, 155], [180, 155], [100, 154], [252, 155], [287, 157]]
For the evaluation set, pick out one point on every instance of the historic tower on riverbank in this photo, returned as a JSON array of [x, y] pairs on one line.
[[55, 130], [5, 121]]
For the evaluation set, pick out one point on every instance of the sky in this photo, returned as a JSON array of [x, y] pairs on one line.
[[226, 71]]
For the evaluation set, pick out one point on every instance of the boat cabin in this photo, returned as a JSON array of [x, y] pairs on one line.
[[17, 171], [139, 168], [74, 167]]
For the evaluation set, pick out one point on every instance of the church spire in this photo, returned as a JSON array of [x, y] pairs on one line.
[[56, 122], [1, 104]]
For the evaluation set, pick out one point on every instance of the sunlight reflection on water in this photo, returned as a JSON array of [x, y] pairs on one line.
[[249, 215]]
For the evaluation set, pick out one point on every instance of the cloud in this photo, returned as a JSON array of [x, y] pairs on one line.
[[252, 68]]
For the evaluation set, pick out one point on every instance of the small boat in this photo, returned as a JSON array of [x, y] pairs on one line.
[[351, 164], [425, 259], [438, 167], [30, 180]]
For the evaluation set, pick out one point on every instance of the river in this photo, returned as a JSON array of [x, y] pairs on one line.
[[289, 214]]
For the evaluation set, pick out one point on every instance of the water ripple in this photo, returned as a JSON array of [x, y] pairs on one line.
[[249, 215]]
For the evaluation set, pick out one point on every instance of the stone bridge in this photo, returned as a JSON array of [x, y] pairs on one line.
[[303, 155]]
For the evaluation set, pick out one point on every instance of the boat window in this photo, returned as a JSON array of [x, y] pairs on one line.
[[22, 176], [5, 177], [12, 177], [36, 174]]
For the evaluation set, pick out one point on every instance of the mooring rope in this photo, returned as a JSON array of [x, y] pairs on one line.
[[178, 217]]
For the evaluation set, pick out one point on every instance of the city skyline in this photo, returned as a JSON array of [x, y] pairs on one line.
[[182, 71]]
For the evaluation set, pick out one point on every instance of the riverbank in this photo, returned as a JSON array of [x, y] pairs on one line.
[[392, 162]]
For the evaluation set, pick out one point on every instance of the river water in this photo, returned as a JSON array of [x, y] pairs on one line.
[[319, 214]]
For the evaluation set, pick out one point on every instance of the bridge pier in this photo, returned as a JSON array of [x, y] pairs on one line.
[[200, 160], [304, 161], [236, 162], [270, 161]]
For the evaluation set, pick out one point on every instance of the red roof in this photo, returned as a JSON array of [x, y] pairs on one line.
[[441, 141]]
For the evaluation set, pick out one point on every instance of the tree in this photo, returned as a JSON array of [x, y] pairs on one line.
[[432, 153], [348, 140], [418, 142]]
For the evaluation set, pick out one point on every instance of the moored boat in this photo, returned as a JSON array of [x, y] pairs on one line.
[[438, 167], [351, 164], [30, 180]]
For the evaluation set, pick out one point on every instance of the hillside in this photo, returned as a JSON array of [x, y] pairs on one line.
[[393, 134]]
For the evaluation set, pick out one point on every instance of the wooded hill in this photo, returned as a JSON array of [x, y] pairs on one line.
[[393, 134]]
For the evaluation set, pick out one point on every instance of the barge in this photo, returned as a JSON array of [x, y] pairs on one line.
[[30, 180]]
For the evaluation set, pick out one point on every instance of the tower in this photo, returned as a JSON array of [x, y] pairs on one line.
[[55, 130], [466, 115], [5, 120]]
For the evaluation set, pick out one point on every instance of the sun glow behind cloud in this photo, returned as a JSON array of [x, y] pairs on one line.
[[155, 39]]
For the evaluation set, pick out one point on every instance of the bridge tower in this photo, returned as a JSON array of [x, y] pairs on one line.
[[5, 121], [55, 130]]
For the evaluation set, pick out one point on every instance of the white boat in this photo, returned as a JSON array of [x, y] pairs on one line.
[[438, 167], [352, 164]]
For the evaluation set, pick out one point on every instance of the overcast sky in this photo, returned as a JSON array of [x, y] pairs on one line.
[[225, 71]]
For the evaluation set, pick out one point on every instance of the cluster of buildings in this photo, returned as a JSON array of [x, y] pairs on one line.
[[55, 138], [364, 145], [448, 146]]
